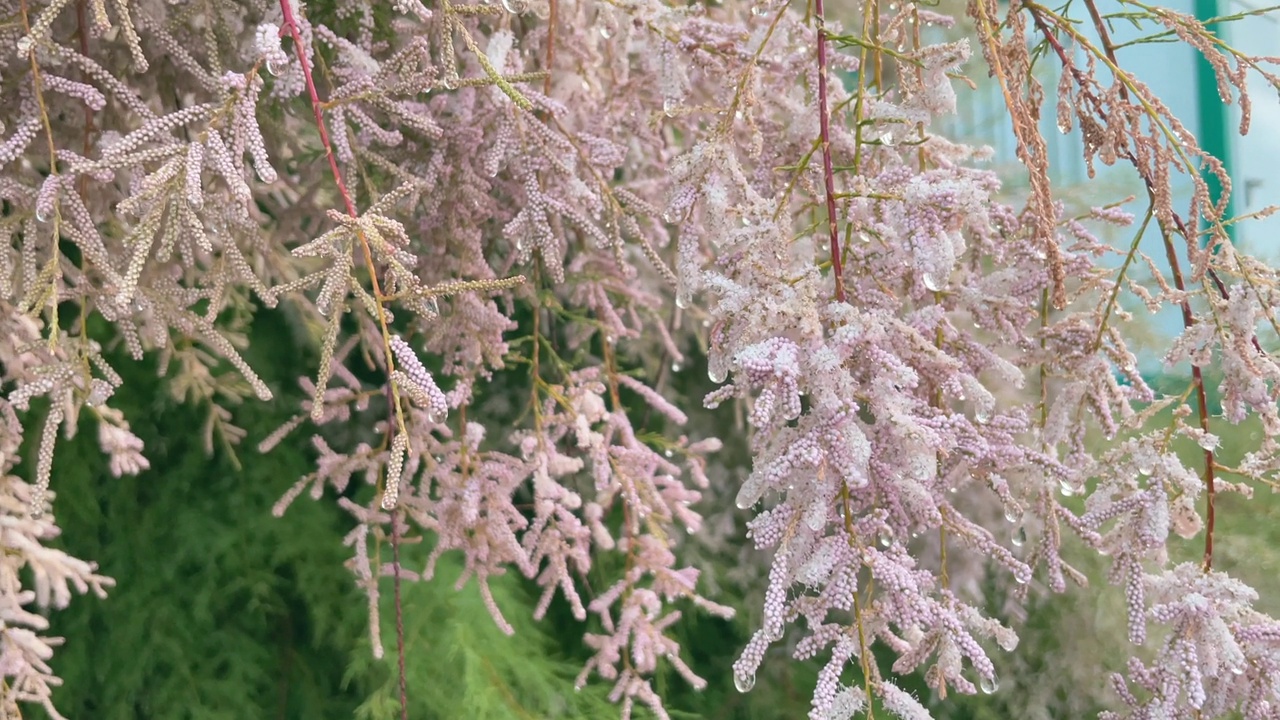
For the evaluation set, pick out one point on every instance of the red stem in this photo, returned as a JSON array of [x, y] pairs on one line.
[[828, 175], [317, 109], [1188, 318]]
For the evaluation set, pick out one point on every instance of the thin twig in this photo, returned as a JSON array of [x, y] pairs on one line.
[[828, 175]]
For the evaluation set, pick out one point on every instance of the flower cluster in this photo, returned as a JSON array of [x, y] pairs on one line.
[[504, 228]]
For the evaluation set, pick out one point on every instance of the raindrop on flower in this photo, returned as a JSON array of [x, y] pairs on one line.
[[759, 10], [450, 82], [605, 32], [609, 339], [1012, 514], [1064, 128], [886, 139], [1019, 536], [668, 452], [510, 6], [675, 367], [885, 539], [744, 683], [930, 283], [433, 304], [864, 237], [1067, 490], [1146, 466], [1237, 671], [668, 217], [746, 220], [24, 44], [1208, 442], [41, 216], [716, 375], [989, 685], [981, 416], [669, 106], [271, 68], [681, 301]]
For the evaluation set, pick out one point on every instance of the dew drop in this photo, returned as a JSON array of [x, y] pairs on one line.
[[1067, 490], [449, 82], [520, 245], [885, 539], [1064, 128], [744, 683], [433, 304], [1208, 442], [668, 217], [930, 283], [746, 221], [681, 301], [1146, 467], [1237, 671], [989, 685], [609, 339], [759, 10], [41, 216], [676, 367], [669, 106], [716, 375], [1019, 536], [605, 32], [668, 452], [1013, 514], [886, 139], [510, 6], [981, 416], [1020, 579]]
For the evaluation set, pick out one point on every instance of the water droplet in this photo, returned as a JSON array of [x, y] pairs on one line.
[[759, 10], [737, 115], [1237, 671], [1064, 128], [24, 44], [577, 687], [681, 301], [511, 6], [715, 374], [1012, 514], [605, 31], [885, 539], [1019, 536], [676, 367], [746, 221], [41, 216], [668, 452], [744, 683], [450, 82], [668, 217], [669, 106], [981, 416], [953, 489], [989, 685], [930, 283], [609, 339], [1208, 442], [1020, 579], [519, 244], [1146, 466], [893, 6], [433, 304], [864, 237], [773, 632], [886, 139]]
